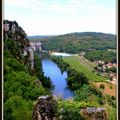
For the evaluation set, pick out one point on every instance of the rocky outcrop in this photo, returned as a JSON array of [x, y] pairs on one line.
[[36, 46], [94, 113], [37, 82], [45, 108], [14, 32]]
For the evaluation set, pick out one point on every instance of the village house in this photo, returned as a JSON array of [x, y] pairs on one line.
[[104, 67], [99, 62], [109, 65]]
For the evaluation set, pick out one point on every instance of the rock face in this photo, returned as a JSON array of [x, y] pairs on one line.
[[44, 109], [13, 31], [94, 113]]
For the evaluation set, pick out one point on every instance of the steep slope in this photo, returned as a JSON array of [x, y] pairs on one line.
[[17, 44], [24, 81]]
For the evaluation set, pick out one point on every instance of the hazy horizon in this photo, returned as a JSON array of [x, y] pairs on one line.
[[70, 33]]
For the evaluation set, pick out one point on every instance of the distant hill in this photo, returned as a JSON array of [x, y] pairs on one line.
[[38, 36], [80, 41]]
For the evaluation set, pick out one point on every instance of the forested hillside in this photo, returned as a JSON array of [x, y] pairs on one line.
[[24, 81], [77, 42], [104, 55]]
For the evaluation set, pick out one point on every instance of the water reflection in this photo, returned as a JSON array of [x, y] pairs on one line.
[[58, 79]]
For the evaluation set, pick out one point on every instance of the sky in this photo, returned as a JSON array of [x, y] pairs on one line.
[[55, 17]]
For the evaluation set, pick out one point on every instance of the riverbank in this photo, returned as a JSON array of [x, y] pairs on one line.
[[86, 94], [81, 67], [57, 78]]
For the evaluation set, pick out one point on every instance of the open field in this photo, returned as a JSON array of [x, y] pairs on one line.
[[86, 62], [83, 67], [110, 88]]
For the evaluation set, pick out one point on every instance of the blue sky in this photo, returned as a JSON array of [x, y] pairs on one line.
[[54, 17]]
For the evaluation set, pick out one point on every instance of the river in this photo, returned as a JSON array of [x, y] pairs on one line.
[[58, 79], [60, 54]]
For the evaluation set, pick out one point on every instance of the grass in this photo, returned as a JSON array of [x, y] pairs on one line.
[[86, 62], [83, 67]]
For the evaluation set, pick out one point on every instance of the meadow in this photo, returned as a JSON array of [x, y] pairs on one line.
[[84, 67]]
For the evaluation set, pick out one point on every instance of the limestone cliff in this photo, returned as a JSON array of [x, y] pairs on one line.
[[13, 32]]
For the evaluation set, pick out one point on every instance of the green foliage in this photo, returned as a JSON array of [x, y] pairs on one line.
[[87, 93], [46, 82], [80, 67], [76, 104], [110, 87], [110, 100], [113, 69], [16, 108], [75, 79], [38, 66], [63, 65], [102, 86], [104, 55], [14, 48], [77, 42], [111, 112], [21, 83], [20, 90], [14, 64], [70, 114], [70, 109]]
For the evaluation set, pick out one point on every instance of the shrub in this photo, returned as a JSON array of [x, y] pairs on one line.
[[70, 114], [102, 86], [113, 98], [110, 87], [111, 113]]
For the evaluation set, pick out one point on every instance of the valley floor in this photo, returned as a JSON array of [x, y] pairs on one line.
[[83, 65]]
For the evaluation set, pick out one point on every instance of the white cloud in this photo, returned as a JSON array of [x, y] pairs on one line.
[[56, 17]]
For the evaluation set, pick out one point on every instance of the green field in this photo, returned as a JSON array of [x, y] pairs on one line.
[[83, 67], [86, 62]]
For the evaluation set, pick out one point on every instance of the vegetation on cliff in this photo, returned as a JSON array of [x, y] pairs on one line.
[[22, 83]]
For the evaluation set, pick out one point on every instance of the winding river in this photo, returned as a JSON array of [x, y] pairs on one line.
[[58, 79]]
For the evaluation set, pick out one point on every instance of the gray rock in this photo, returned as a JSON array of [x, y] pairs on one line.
[[45, 108], [94, 113]]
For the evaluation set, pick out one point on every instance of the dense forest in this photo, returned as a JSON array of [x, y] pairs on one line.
[[104, 55], [77, 42], [23, 84]]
